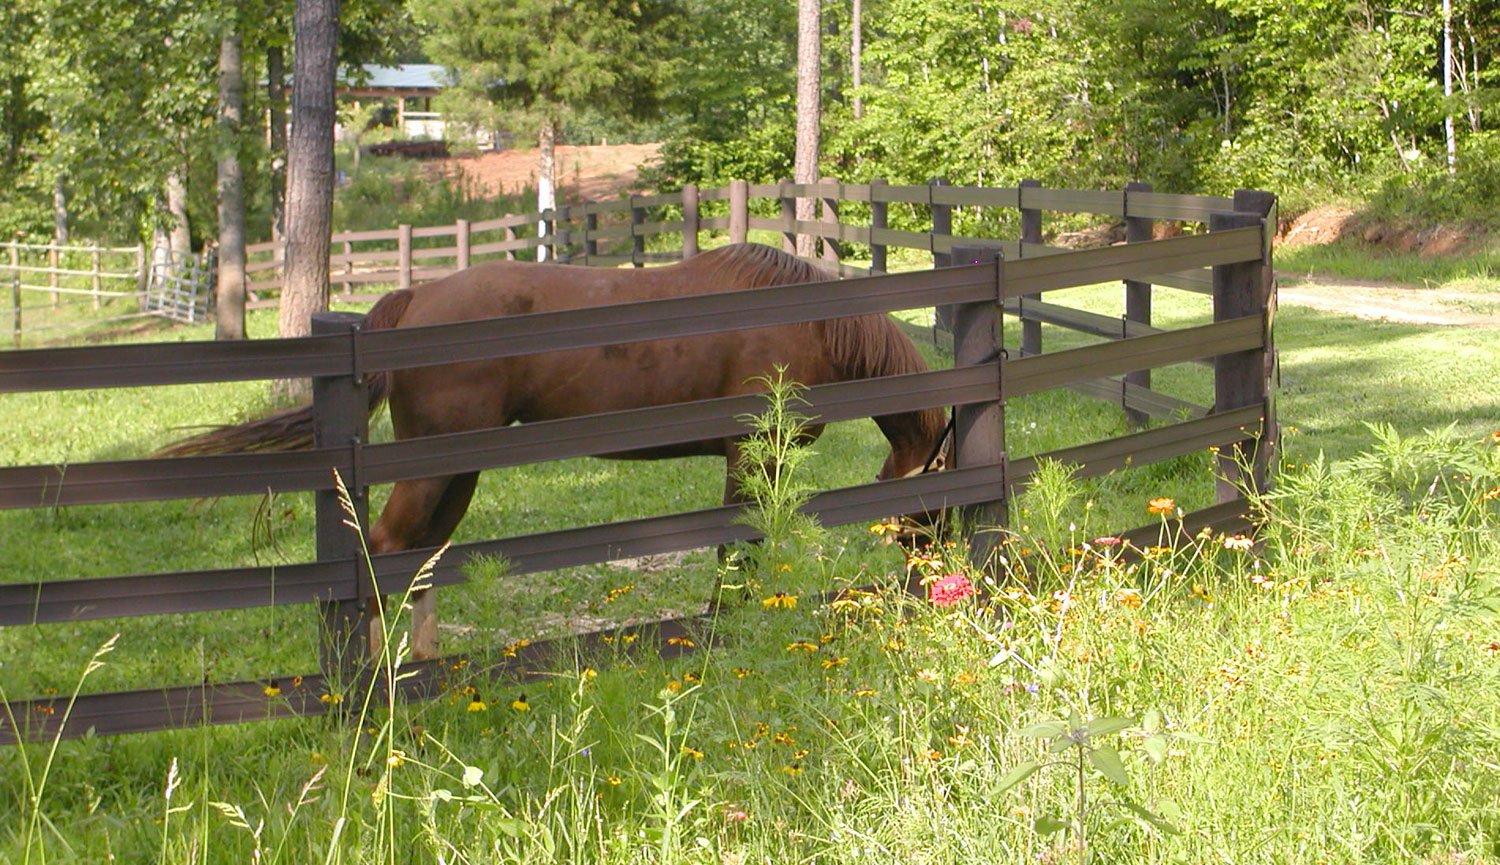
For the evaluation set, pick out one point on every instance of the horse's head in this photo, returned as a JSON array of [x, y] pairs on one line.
[[908, 463], [920, 454], [907, 460]]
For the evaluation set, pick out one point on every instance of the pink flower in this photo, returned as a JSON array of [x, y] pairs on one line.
[[949, 590]]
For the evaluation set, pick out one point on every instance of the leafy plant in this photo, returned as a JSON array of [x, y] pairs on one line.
[[772, 474], [1089, 752]]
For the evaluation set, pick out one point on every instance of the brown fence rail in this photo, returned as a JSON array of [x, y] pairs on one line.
[[610, 233], [976, 284]]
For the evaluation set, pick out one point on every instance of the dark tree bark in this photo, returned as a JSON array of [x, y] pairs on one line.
[[809, 111], [60, 209], [276, 119], [309, 186], [229, 309]]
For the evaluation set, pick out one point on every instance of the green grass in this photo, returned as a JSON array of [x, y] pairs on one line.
[[1353, 260], [1329, 698], [1346, 714]]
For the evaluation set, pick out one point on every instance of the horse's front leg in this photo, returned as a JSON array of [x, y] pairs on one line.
[[421, 513]]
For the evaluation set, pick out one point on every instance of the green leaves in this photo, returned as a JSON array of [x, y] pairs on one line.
[[1107, 761], [1017, 775]]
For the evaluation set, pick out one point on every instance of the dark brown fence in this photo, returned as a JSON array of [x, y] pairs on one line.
[[979, 280]]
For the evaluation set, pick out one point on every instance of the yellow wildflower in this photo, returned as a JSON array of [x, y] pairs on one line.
[[780, 599], [1162, 505]]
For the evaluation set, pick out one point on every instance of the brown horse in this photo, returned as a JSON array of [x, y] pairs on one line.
[[493, 393]]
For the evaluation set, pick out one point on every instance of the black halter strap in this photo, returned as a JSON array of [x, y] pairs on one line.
[[953, 415], [938, 448]]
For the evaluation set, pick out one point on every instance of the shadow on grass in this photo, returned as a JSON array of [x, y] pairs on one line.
[[1338, 373]]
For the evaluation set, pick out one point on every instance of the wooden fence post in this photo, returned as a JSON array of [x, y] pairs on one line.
[[739, 211], [1244, 378], [590, 243], [54, 261], [340, 420], [979, 429], [942, 226], [689, 220], [788, 218], [510, 237], [879, 211], [15, 295], [461, 240], [562, 236], [1031, 232], [1137, 302], [829, 207], [637, 241], [97, 283], [403, 254]]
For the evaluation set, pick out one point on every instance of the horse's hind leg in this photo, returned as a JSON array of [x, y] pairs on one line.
[[422, 513]]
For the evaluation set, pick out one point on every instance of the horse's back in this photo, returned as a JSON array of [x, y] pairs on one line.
[[575, 382]]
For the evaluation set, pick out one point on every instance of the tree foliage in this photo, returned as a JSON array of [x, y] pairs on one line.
[[114, 95], [1312, 98], [522, 64]]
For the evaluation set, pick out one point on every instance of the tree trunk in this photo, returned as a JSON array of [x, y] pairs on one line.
[[60, 209], [546, 178], [309, 188], [809, 111], [276, 120], [856, 54], [229, 307], [179, 235]]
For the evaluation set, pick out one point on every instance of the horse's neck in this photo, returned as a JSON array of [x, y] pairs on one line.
[[911, 431]]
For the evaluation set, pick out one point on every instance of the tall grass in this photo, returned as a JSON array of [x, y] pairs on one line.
[[1352, 260], [1321, 693]]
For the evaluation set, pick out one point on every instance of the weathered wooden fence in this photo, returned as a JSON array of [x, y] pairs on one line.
[[978, 281], [70, 274]]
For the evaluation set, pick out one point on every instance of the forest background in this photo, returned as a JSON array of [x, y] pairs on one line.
[[1388, 106]]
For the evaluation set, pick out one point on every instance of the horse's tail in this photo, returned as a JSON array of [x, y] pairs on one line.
[[291, 429]]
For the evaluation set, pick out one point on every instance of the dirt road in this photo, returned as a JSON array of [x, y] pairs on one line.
[[1380, 302], [584, 172]]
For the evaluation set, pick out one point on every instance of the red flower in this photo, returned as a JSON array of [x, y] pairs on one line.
[[949, 590]]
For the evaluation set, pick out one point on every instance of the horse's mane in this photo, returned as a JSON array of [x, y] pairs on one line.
[[864, 346]]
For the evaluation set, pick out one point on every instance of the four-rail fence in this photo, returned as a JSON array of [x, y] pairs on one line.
[[979, 279]]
